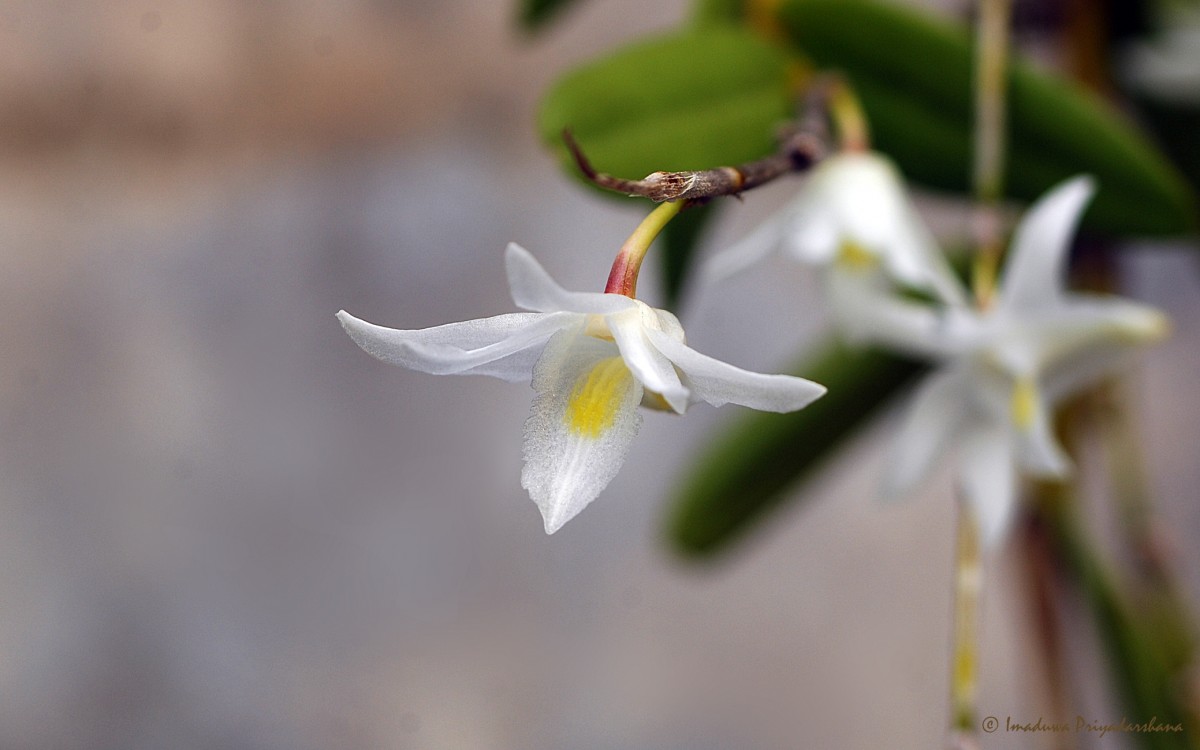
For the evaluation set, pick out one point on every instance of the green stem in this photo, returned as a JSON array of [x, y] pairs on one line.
[[968, 585], [990, 116], [989, 186], [622, 279], [847, 114]]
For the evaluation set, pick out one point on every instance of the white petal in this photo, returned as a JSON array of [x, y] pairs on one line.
[[933, 421], [989, 480], [504, 346], [916, 259], [1085, 369], [533, 289], [719, 383], [1086, 322], [763, 241], [868, 311], [1038, 451], [1035, 272], [578, 432], [656, 373]]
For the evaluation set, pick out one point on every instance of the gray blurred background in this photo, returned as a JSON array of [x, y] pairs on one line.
[[224, 526]]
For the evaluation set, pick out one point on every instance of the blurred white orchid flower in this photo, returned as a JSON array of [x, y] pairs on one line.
[[1003, 368], [1167, 67], [852, 214], [593, 358]]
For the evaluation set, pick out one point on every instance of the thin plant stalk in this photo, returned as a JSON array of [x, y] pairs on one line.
[[988, 177], [991, 80], [968, 588]]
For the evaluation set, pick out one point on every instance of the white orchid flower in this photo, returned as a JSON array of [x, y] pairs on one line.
[[593, 359], [1003, 369], [851, 215], [1167, 67]]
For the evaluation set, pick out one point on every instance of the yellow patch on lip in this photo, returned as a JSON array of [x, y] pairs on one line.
[[592, 406], [1024, 402], [855, 256]]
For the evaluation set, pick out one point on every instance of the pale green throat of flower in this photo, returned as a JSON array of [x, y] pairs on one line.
[[596, 397]]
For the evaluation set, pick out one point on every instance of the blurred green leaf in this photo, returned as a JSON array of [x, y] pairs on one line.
[[535, 14], [697, 99], [680, 240], [914, 76], [718, 11], [749, 470], [1175, 124]]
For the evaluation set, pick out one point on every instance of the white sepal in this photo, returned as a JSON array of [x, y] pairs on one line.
[[504, 346], [1035, 273], [533, 288]]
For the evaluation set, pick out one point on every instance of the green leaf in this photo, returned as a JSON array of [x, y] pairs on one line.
[[1175, 124], [697, 99], [748, 471], [914, 76], [718, 11], [680, 239], [535, 14]]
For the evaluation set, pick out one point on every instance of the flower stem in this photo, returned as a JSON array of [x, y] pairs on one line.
[[622, 279], [991, 63], [988, 177], [968, 583], [847, 114]]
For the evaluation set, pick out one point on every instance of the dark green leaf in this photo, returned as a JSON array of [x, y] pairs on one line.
[[536, 13], [914, 76], [749, 470], [1175, 124], [680, 240], [698, 99]]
